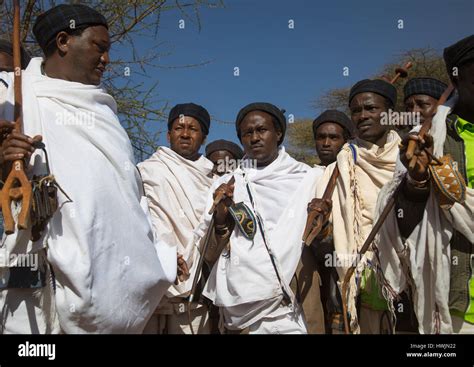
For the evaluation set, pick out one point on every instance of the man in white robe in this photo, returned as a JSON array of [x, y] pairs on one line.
[[104, 273], [176, 181], [427, 243], [250, 280]]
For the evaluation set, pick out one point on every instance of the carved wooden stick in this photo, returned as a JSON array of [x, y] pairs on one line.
[[17, 187]]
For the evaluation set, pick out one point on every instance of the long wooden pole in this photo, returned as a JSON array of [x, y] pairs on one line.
[[314, 221], [17, 187], [207, 238], [206, 244]]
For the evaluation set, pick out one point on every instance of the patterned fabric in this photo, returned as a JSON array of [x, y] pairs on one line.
[[427, 86], [449, 182], [63, 17]]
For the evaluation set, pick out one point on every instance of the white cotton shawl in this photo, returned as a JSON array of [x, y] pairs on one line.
[[353, 203], [110, 275], [424, 259], [177, 190], [243, 281]]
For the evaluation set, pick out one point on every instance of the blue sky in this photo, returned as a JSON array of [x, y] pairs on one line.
[[292, 67]]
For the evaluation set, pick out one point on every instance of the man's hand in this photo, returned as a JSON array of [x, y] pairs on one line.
[[321, 206], [18, 146], [222, 211], [183, 270], [6, 128], [421, 171]]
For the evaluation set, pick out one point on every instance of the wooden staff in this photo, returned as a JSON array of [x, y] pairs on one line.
[[220, 196], [205, 246], [17, 187], [386, 211], [314, 220], [311, 231], [400, 73], [207, 240]]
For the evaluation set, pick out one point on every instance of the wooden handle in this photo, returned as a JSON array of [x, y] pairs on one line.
[[311, 231], [17, 187], [410, 154], [412, 143], [314, 229], [332, 183], [202, 257], [401, 72], [219, 197], [17, 67]]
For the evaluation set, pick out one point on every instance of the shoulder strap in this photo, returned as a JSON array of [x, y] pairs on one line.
[[288, 295]]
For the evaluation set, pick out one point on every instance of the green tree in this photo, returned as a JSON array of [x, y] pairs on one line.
[[301, 142]]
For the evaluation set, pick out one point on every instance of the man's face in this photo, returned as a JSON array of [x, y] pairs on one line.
[[329, 140], [6, 62], [186, 137], [365, 114], [89, 54], [221, 158], [464, 83], [259, 137], [421, 103]]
